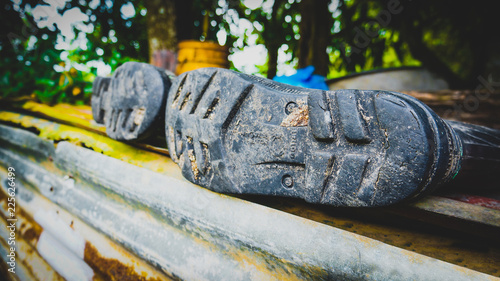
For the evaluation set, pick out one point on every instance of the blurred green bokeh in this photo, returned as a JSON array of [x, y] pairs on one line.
[[455, 39]]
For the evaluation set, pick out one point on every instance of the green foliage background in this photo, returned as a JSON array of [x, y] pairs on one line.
[[28, 53], [455, 39]]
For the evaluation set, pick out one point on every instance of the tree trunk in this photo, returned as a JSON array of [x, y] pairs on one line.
[[314, 35], [162, 35], [273, 38], [184, 23], [272, 63], [413, 35]]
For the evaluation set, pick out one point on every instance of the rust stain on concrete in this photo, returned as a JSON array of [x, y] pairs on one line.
[[113, 269]]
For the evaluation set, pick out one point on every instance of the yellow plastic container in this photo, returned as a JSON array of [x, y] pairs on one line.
[[195, 54]]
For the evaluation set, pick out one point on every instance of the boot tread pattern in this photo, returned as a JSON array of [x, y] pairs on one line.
[[130, 102], [357, 148]]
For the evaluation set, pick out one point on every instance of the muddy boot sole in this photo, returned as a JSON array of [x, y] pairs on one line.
[[131, 103], [236, 133]]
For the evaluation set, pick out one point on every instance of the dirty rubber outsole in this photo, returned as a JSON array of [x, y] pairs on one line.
[[235, 133], [131, 102], [99, 90]]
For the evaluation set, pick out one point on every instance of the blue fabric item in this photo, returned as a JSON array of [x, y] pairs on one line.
[[304, 78]]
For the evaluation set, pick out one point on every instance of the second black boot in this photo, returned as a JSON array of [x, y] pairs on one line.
[[131, 103]]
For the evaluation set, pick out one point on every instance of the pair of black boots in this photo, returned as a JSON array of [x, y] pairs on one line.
[[236, 133]]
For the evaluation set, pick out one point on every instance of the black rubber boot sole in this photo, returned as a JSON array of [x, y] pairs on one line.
[[236, 133], [131, 104]]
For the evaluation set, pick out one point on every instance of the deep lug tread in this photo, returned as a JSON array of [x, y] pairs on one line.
[[179, 144], [118, 120], [172, 143], [112, 118], [200, 157], [185, 101], [206, 157], [319, 167], [133, 126], [99, 92], [348, 180], [201, 94], [352, 123], [211, 109], [178, 92], [236, 105], [320, 118], [191, 158], [126, 119], [209, 95]]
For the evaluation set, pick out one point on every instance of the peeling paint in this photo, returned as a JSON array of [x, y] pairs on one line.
[[77, 115], [113, 269], [55, 219], [65, 235], [64, 261], [29, 260], [102, 144]]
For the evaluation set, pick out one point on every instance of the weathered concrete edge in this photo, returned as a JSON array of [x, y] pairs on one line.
[[303, 242]]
